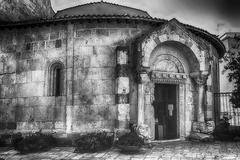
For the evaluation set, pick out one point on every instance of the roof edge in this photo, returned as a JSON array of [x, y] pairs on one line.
[[103, 2], [214, 39]]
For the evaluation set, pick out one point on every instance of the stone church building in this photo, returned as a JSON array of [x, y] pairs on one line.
[[100, 66]]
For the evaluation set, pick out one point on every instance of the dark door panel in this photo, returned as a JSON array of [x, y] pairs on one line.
[[165, 111]]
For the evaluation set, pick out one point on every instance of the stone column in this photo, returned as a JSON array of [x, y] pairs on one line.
[[201, 80], [143, 78], [201, 93], [69, 76], [122, 88]]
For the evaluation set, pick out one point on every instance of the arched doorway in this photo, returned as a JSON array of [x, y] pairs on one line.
[[172, 90], [170, 94]]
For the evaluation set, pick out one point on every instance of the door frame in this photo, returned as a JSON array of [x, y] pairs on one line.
[[177, 106]]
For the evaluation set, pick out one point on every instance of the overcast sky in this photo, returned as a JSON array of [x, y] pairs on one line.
[[215, 16]]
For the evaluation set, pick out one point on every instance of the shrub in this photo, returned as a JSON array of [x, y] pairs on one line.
[[130, 139], [33, 143], [93, 142], [2, 142]]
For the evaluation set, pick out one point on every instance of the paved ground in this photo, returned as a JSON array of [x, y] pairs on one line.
[[163, 151]]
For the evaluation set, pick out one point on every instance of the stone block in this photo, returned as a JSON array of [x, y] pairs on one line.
[[209, 98], [112, 112], [122, 71], [108, 73], [43, 113], [59, 113], [46, 125], [50, 44], [69, 74], [122, 57], [210, 114], [8, 125], [38, 76], [102, 32], [30, 89], [24, 114], [29, 76], [60, 101], [69, 119], [203, 127], [83, 50], [33, 101], [21, 102], [122, 84], [83, 33], [22, 66], [8, 91], [69, 87], [54, 35], [94, 73], [79, 61], [1, 68], [103, 87], [122, 98], [123, 111], [87, 87], [147, 99], [104, 99], [122, 124], [104, 57], [21, 77], [135, 32], [42, 36], [8, 79], [46, 101]]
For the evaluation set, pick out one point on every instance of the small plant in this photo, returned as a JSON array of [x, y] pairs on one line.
[[131, 142], [222, 130], [35, 142], [93, 142], [2, 142], [130, 139]]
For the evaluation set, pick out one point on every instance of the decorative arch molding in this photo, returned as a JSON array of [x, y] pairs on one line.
[[167, 63], [173, 31]]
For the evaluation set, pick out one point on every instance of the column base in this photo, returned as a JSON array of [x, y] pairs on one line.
[[202, 131], [203, 127]]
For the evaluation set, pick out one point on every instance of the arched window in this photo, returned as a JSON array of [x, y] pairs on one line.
[[56, 79]]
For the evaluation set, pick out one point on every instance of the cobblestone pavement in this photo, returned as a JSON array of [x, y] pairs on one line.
[[161, 151]]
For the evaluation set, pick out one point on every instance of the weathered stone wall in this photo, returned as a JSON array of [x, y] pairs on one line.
[[88, 54], [95, 78], [25, 58]]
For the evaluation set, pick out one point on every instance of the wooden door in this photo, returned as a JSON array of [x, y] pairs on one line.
[[165, 111]]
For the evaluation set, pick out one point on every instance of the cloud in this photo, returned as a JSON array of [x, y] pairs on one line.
[[225, 10]]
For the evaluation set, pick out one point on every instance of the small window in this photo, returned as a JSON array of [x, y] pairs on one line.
[[58, 43], [28, 46], [56, 79]]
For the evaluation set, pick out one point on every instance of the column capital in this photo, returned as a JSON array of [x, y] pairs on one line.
[[143, 77], [200, 77], [201, 80]]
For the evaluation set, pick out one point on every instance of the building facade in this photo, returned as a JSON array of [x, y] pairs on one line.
[[100, 66]]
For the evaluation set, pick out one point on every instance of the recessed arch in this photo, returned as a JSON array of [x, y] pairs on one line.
[[177, 52], [166, 63], [56, 79]]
